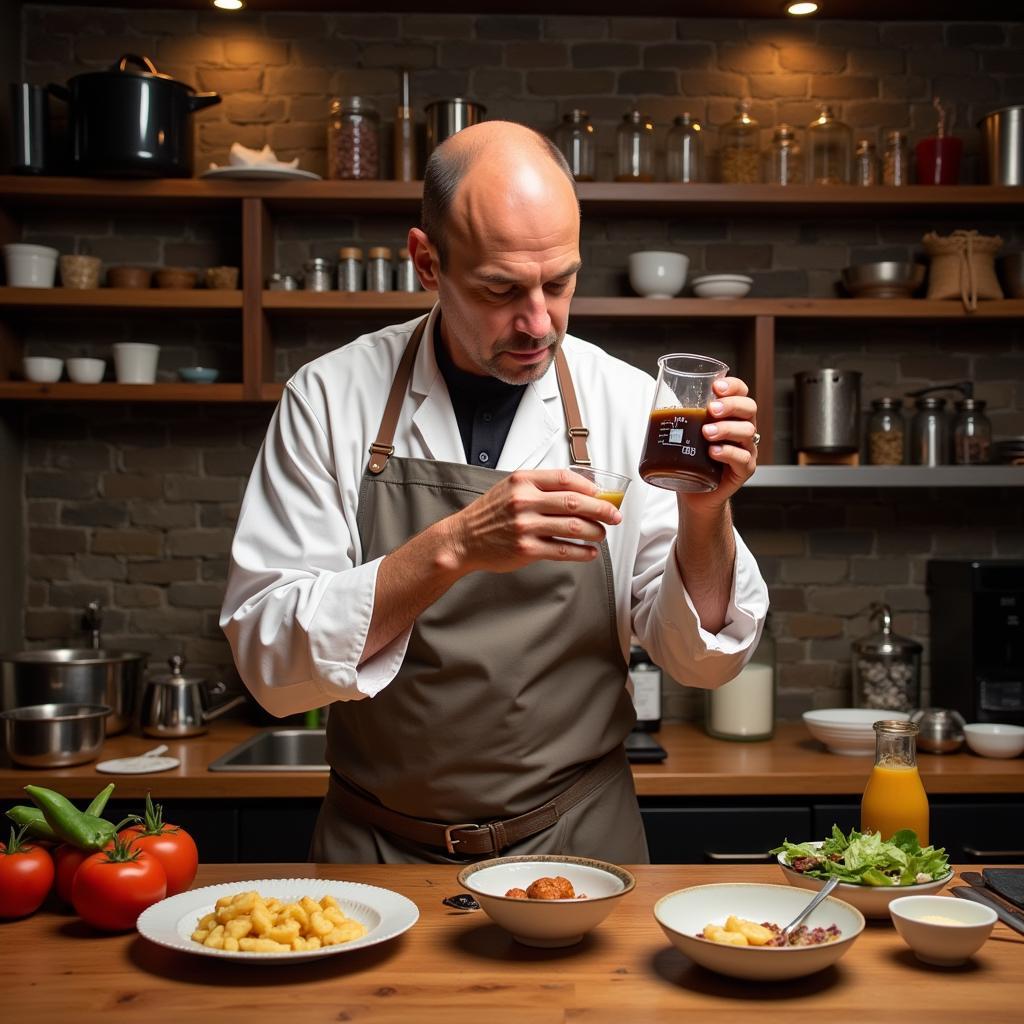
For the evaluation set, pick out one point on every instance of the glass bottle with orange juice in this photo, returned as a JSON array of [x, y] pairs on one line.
[[894, 797]]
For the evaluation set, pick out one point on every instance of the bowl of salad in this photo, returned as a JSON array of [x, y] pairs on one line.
[[872, 872]]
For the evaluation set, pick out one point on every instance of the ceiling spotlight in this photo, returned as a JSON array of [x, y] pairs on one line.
[[233, 5], [798, 10]]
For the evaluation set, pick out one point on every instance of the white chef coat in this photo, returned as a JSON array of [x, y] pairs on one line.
[[299, 595]]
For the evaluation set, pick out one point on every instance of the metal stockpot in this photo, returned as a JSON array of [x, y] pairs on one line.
[[1003, 143], [54, 735], [177, 705], [446, 117], [826, 411], [74, 675]]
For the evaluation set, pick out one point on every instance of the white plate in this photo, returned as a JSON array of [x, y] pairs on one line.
[[259, 173], [386, 914], [137, 765]]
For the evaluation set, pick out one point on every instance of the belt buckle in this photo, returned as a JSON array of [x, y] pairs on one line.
[[449, 843]]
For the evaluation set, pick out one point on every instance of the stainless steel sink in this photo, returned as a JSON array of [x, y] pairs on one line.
[[277, 750]]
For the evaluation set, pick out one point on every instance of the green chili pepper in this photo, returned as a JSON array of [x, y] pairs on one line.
[[79, 828], [32, 819], [99, 801]]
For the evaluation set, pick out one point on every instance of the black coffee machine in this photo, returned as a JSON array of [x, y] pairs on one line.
[[977, 638]]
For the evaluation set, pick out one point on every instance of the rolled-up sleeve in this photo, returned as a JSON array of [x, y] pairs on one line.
[[297, 607]]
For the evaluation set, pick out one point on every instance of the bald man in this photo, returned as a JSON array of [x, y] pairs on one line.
[[414, 551]]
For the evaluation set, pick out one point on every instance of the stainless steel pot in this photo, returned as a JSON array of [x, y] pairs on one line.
[[1003, 142], [54, 735], [446, 117], [826, 411], [940, 731], [177, 705], [74, 676]]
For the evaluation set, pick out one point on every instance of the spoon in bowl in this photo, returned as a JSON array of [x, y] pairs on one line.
[[801, 917]]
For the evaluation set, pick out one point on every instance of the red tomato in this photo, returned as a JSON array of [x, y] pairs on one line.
[[26, 874], [173, 847], [110, 892], [67, 859]]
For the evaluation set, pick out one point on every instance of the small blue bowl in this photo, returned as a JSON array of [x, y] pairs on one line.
[[198, 374]]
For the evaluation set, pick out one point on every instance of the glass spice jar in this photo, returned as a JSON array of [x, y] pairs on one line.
[[350, 269], [784, 161], [739, 160], [972, 433], [885, 432], [865, 163], [929, 441], [896, 161], [635, 148], [575, 139], [353, 139], [828, 143], [684, 150], [378, 269]]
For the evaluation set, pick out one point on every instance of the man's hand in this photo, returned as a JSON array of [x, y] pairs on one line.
[[518, 520]]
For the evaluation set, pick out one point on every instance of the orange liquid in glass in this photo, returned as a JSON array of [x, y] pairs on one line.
[[894, 798], [615, 497]]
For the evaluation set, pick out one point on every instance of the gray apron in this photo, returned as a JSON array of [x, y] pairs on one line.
[[513, 684]]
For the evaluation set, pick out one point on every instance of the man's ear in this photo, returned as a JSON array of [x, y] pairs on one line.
[[425, 259]]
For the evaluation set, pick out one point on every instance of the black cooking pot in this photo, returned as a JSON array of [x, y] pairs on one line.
[[132, 123]]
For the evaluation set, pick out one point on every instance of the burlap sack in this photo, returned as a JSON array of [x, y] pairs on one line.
[[963, 266]]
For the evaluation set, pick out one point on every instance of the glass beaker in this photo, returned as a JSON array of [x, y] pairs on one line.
[[675, 454]]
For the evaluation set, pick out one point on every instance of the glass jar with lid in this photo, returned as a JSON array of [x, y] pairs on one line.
[[635, 148], [886, 667], [350, 269], [784, 161], [896, 161], [378, 269], [865, 163], [972, 433], [929, 436], [684, 150], [317, 274], [739, 151], [828, 144], [744, 708], [576, 141], [353, 138], [885, 432]]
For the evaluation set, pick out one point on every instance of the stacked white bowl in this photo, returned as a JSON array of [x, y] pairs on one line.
[[848, 730]]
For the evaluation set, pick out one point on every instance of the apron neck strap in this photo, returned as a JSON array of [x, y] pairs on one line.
[[383, 448]]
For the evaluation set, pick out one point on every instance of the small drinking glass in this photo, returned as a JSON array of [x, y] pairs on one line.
[[611, 487], [675, 454]]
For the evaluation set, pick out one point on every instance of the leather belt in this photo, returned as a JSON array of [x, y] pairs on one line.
[[467, 839]]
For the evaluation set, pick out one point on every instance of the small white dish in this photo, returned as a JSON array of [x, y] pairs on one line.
[[546, 923], [848, 731], [684, 913], [137, 765], [85, 370], [994, 739], [198, 374], [135, 362], [260, 173], [657, 275], [42, 369], [871, 900], [30, 266], [936, 941], [385, 914], [722, 286]]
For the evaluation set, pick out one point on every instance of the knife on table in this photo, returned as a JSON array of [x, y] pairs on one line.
[[1014, 919]]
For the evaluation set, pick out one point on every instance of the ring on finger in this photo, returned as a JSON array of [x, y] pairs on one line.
[[756, 438]]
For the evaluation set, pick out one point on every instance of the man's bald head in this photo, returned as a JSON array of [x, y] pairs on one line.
[[510, 153]]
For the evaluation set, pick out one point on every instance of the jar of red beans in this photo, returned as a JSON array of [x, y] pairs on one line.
[[353, 138]]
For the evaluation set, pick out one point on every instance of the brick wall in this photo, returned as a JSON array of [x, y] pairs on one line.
[[135, 505]]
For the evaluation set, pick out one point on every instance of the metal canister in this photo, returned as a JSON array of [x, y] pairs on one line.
[[826, 411], [318, 274], [278, 282], [1003, 142], [378, 269], [408, 281], [350, 269], [446, 117]]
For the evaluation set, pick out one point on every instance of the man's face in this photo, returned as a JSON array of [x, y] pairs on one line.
[[506, 291]]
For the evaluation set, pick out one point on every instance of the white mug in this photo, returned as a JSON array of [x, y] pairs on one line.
[[135, 362], [30, 266]]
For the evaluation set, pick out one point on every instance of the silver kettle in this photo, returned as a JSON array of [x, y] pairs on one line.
[[178, 705], [940, 731]]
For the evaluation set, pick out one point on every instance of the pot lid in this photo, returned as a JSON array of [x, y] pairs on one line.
[[177, 675], [886, 642], [144, 68]]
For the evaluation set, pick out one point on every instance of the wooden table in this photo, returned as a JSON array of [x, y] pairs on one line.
[[790, 764], [458, 967]]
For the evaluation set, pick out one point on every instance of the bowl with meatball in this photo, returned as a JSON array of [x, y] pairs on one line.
[[547, 901]]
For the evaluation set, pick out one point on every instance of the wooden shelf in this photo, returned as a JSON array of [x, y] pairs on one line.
[[888, 476], [120, 298], [113, 392], [349, 302]]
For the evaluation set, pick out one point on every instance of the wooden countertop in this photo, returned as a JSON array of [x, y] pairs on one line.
[[791, 764], [460, 968]]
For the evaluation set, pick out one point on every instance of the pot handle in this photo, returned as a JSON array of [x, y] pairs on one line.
[[200, 100], [60, 91], [143, 62], [220, 709]]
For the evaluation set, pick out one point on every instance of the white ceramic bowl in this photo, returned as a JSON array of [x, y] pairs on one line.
[[722, 286], [30, 266], [848, 730], [993, 739], [42, 369], [945, 945], [135, 362], [870, 900], [84, 370], [658, 275], [546, 923], [684, 913]]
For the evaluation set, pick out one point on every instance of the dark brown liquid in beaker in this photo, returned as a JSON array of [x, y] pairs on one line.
[[676, 455]]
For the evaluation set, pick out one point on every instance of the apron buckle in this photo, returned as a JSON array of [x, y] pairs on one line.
[[449, 843]]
